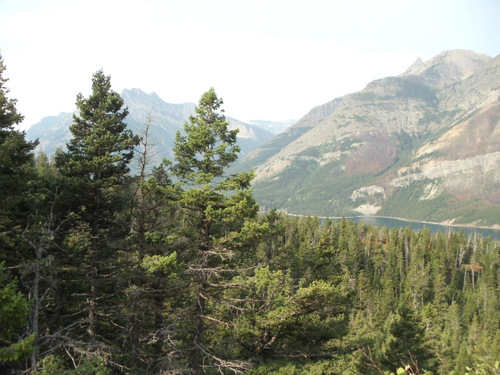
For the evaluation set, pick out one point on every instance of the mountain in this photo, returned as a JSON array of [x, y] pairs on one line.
[[166, 119], [275, 127], [424, 145], [52, 132]]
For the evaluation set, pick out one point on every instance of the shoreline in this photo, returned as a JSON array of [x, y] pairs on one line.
[[497, 227], [443, 224]]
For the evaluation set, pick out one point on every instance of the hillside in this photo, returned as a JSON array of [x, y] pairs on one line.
[[424, 145], [166, 119]]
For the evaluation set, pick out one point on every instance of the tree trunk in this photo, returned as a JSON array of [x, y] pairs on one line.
[[201, 297], [36, 307], [94, 274]]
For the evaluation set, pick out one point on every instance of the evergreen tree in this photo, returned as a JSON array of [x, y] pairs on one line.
[[16, 171], [96, 170], [405, 340], [216, 207], [15, 344]]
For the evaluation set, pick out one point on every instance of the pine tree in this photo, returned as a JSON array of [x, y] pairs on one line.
[[15, 345], [405, 339], [96, 170], [16, 171], [216, 208]]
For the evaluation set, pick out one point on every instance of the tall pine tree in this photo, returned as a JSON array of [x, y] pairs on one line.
[[96, 169], [216, 206], [16, 162]]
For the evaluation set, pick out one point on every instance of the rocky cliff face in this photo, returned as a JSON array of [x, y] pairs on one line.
[[422, 145]]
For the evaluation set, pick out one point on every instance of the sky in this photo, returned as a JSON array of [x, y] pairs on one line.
[[267, 59]]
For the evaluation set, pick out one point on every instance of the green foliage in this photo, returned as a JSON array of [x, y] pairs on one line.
[[101, 147], [166, 264], [488, 367], [15, 171], [8, 114], [208, 147], [94, 172], [218, 207], [14, 310], [334, 366], [174, 271], [404, 339], [13, 305], [53, 365], [406, 203]]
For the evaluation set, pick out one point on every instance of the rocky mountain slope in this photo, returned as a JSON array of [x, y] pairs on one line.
[[424, 145], [166, 119]]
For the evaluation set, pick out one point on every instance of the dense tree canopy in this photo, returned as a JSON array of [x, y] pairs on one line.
[[173, 271]]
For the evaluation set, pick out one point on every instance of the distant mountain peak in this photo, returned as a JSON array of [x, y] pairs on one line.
[[423, 145], [414, 66], [165, 120], [448, 67], [139, 95]]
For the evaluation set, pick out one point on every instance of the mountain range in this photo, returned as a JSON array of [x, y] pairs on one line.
[[165, 120], [423, 145]]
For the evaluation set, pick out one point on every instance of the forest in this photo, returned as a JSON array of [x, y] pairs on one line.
[[110, 265]]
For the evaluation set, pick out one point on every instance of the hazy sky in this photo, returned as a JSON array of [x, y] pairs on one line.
[[268, 59]]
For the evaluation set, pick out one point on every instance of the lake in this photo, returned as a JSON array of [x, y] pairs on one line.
[[390, 222]]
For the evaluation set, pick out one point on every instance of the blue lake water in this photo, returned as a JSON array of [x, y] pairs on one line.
[[417, 226]]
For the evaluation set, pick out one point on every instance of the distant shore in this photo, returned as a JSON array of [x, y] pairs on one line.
[[444, 224]]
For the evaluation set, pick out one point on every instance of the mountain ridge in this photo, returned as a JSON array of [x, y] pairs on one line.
[[373, 154], [165, 118], [423, 145]]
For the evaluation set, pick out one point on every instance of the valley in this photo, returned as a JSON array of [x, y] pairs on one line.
[[423, 145]]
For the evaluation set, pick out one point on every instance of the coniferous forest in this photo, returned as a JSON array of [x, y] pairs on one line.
[[110, 265]]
